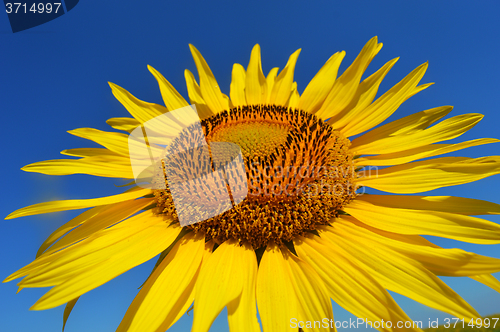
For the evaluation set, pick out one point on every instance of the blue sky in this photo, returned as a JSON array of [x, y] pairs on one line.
[[54, 78]]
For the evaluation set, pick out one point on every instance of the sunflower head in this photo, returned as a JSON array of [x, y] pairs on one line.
[[270, 179], [298, 174]]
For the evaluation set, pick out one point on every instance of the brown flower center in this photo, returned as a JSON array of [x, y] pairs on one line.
[[299, 174]]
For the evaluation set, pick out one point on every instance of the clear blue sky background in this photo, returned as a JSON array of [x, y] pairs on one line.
[[54, 78]]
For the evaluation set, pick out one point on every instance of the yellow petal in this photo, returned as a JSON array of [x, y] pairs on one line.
[[321, 84], [116, 142], [255, 82], [445, 130], [221, 281], [488, 280], [452, 204], [270, 79], [283, 84], [365, 94], [430, 174], [384, 106], [67, 311], [398, 274], [351, 287], [208, 85], [51, 269], [88, 152], [237, 88], [426, 151], [167, 293], [100, 258], [242, 312], [125, 124], [418, 89], [346, 85], [172, 99], [443, 224], [78, 220], [91, 221], [311, 294], [195, 97], [407, 125], [294, 97], [103, 165], [447, 262], [140, 110], [275, 292], [75, 204]]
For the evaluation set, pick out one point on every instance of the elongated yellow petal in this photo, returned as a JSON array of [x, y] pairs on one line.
[[53, 269], [91, 221], [282, 87], [384, 106], [88, 152], [255, 81], [443, 224], [125, 124], [237, 88], [116, 142], [321, 84], [103, 165], [407, 125], [75, 204], [447, 262], [172, 99], [398, 274], [165, 295], [418, 89], [351, 287], [294, 97], [430, 174], [426, 151], [275, 292], [363, 97], [242, 312], [78, 220], [143, 112], [208, 85], [445, 130], [140, 110], [452, 204], [488, 280], [270, 79], [311, 293], [93, 262], [228, 101], [221, 281], [67, 311], [195, 96], [346, 85]]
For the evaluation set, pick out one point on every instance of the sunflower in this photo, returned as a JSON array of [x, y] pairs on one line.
[[304, 233]]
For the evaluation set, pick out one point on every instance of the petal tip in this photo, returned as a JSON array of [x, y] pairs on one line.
[[193, 49]]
